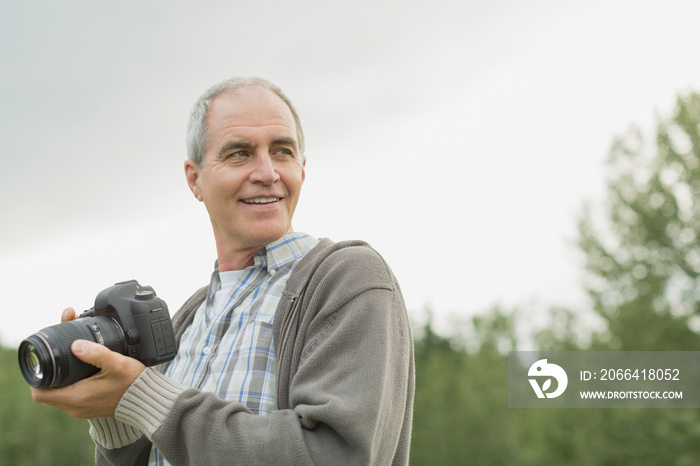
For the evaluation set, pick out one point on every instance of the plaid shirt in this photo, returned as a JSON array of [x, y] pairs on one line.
[[228, 348]]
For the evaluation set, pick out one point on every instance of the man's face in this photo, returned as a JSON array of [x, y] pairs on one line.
[[252, 173]]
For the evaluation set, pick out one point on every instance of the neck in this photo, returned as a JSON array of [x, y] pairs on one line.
[[232, 256], [235, 259]]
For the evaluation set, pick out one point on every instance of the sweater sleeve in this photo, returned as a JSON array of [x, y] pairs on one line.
[[125, 439]]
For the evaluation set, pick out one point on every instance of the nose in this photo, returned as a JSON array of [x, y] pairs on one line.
[[264, 170]]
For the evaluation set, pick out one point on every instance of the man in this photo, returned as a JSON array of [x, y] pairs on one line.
[[298, 352]]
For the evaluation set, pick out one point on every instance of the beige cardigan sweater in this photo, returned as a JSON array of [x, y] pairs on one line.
[[345, 380]]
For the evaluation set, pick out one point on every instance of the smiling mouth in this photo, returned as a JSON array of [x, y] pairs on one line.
[[262, 200]]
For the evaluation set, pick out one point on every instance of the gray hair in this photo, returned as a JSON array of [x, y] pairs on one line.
[[197, 129]]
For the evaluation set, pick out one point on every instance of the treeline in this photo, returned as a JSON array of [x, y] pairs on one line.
[[34, 434], [642, 249], [462, 414]]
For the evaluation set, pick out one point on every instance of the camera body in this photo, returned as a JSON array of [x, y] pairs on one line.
[[143, 318], [127, 318]]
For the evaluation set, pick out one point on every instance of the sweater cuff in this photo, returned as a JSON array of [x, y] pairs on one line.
[[112, 434], [148, 400]]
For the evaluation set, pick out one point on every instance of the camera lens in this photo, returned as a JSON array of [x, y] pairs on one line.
[[33, 364], [32, 352], [46, 360]]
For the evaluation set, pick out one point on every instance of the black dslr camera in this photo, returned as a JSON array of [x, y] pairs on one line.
[[127, 318]]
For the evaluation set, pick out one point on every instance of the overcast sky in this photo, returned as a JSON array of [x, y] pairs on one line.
[[459, 138]]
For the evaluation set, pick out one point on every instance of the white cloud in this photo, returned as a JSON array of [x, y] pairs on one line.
[[458, 138]]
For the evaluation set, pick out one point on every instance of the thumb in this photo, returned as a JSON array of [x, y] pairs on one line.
[[91, 353]]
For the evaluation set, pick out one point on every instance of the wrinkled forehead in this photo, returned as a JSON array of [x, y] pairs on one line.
[[249, 107]]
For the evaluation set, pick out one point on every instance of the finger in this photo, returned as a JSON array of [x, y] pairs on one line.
[[50, 396], [68, 315], [98, 395], [92, 353], [67, 399]]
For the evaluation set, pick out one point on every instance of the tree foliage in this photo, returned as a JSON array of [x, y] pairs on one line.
[[31, 433], [459, 415], [642, 261], [644, 265]]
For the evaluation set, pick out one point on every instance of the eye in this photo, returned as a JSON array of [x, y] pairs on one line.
[[284, 151], [238, 154]]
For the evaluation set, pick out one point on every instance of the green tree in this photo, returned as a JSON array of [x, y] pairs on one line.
[[31, 433], [461, 411], [644, 262]]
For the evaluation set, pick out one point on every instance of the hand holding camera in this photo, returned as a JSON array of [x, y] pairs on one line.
[[127, 320]]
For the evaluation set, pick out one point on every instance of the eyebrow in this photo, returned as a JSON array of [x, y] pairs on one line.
[[235, 145], [284, 141]]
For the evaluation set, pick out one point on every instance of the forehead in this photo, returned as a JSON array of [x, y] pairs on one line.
[[250, 109]]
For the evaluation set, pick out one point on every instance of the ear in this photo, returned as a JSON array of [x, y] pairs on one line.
[[192, 175], [303, 169]]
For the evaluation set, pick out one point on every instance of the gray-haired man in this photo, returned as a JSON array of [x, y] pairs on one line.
[[298, 351]]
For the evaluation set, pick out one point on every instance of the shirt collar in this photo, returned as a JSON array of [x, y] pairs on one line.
[[288, 248]]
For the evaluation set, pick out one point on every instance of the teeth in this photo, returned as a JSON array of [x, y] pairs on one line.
[[261, 200]]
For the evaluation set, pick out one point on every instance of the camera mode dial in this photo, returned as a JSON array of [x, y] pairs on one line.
[[145, 295]]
